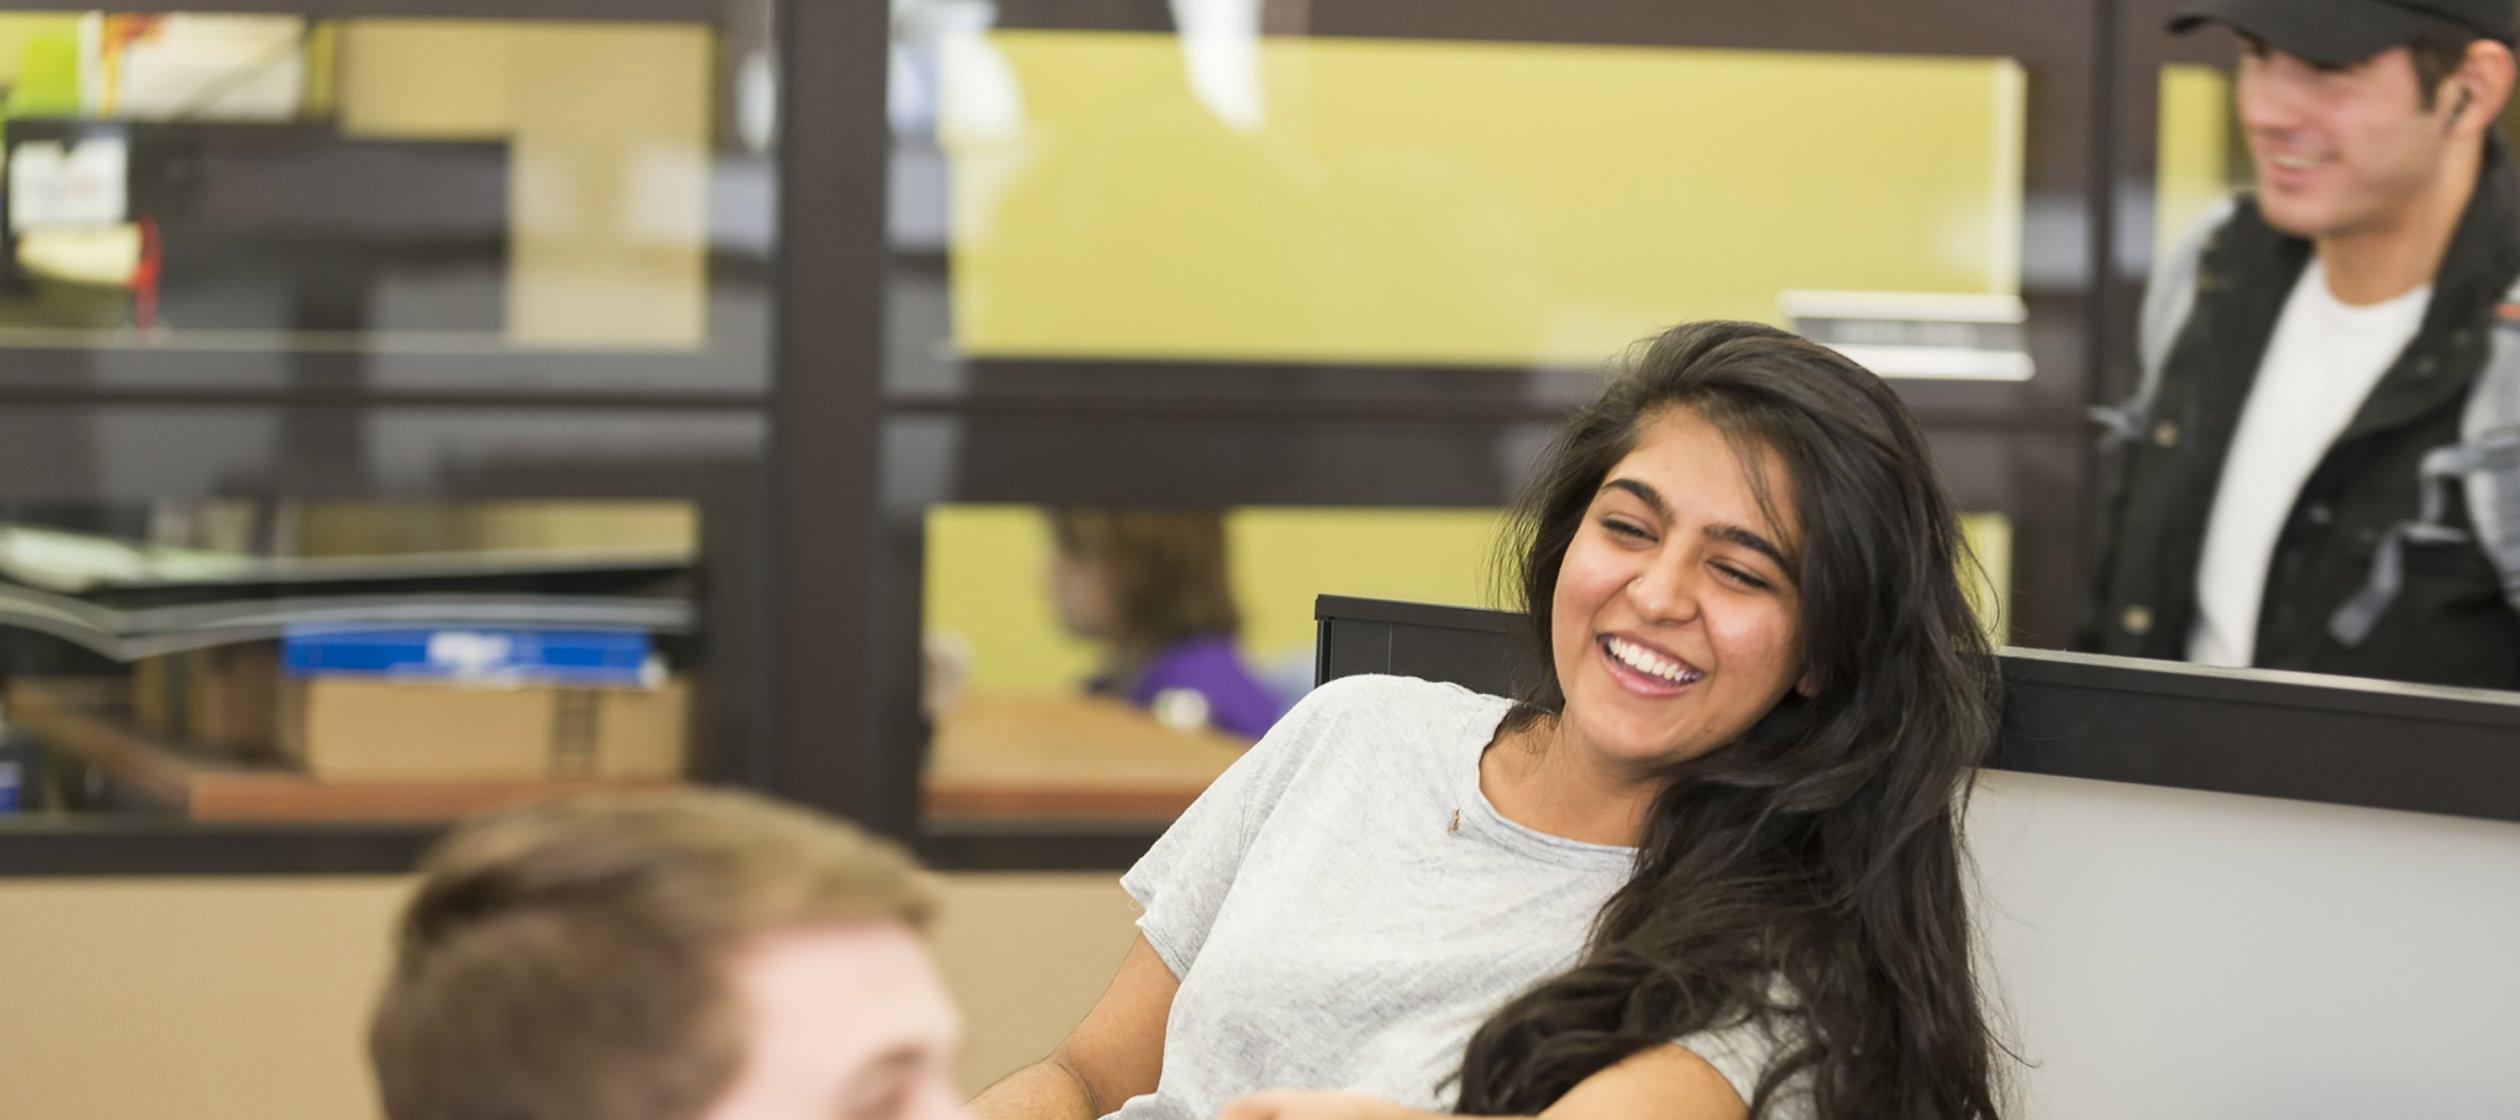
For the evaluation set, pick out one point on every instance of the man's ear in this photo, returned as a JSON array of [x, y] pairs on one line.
[[2480, 87]]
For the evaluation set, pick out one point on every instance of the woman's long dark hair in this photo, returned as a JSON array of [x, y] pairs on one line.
[[1804, 879]]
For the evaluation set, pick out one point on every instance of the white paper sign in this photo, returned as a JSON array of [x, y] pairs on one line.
[[82, 186]]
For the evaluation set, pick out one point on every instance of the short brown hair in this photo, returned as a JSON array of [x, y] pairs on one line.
[[568, 960], [2437, 55], [1167, 568]]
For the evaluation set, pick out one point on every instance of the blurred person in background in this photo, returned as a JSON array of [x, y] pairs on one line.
[[2321, 470], [696, 955], [1150, 589]]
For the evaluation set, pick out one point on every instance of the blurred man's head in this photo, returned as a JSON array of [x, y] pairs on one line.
[[690, 956], [2364, 116]]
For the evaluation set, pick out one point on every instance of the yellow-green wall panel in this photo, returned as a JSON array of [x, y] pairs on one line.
[[1990, 537], [985, 584], [1285, 557], [2194, 150], [1457, 202]]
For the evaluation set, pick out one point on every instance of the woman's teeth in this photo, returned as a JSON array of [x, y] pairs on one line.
[[1650, 663]]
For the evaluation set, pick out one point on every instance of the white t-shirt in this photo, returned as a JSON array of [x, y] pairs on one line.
[[2321, 363], [1333, 928]]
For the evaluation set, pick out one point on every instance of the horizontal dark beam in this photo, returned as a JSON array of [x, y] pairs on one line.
[[505, 376], [1022, 846], [2297, 736], [62, 845], [1932, 27]]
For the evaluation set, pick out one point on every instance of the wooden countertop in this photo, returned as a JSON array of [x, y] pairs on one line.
[[89, 719], [994, 759], [1067, 758]]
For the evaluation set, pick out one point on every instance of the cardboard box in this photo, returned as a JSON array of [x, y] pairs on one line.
[[233, 699], [223, 702], [375, 729]]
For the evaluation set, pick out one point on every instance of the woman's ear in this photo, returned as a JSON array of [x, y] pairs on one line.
[[1808, 686]]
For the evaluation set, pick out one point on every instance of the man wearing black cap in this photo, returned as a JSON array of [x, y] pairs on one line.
[[2303, 480]]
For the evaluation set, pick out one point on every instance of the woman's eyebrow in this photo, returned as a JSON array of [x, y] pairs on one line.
[[1644, 492], [1752, 541], [1722, 531]]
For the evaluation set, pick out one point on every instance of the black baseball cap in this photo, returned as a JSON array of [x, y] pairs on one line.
[[2337, 32]]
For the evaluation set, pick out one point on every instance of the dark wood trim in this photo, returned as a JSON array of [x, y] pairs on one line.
[[1368, 458], [730, 374], [56, 453], [1156, 388], [2060, 423], [825, 739], [1437, 616], [96, 844], [1035, 846], [360, 397], [1929, 27], [2296, 736]]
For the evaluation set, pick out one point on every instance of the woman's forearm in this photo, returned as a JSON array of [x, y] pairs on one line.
[[1284, 1104], [1044, 1090]]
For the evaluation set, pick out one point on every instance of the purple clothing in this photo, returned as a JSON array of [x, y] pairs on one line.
[[1237, 703]]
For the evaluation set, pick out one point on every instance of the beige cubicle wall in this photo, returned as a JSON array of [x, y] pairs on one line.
[[2153, 951], [243, 999]]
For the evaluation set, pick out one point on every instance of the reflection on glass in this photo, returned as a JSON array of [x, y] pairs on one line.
[[1061, 632], [279, 180], [1149, 590], [1990, 537], [2328, 413], [2201, 158], [286, 662], [1020, 613]]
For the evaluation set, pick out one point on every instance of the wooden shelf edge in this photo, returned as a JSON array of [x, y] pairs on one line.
[[75, 715]]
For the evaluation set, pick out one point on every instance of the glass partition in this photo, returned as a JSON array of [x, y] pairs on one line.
[[417, 203], [2195, 155], [238, 662], [1222, 196], [1332, 275]]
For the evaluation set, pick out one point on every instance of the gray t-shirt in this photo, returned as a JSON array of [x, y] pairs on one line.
[[1344, 908]]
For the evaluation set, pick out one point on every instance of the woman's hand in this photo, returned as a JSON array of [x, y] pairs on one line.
[[1288, 1104]]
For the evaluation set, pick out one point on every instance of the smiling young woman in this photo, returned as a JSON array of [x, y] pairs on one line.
[[1706, 867], [1797, 873]]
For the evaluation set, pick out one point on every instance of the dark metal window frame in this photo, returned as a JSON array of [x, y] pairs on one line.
[[787, 586], [819, 565]]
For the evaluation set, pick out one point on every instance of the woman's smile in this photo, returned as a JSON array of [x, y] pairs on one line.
[[1647, 670]]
